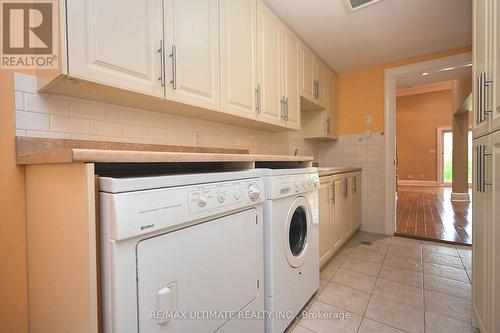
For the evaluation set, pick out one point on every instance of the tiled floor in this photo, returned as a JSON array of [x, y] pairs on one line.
[[394, 285], [427, 212]]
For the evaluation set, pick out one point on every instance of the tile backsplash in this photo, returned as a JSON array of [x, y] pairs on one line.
[[55, 116], [367, 153]]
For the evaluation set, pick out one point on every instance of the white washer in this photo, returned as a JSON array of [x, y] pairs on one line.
[[182, 245], [290, 243]]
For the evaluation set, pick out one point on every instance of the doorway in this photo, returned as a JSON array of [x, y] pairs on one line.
[[445, 156]]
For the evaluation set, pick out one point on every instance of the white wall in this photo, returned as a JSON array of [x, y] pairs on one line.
[[55, 116], [367, 153]]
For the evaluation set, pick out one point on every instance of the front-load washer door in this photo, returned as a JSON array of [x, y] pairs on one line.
[[297, 232], [186, 275]]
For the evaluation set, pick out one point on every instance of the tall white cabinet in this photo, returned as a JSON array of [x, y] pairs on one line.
[[486, 192]]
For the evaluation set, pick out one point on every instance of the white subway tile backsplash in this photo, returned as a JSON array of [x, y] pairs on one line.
[[24, 82], [121, 114], [46, 104], [106, 128], [32, 121], [69, 124], [19, 100], [150, 119], [87, 110]]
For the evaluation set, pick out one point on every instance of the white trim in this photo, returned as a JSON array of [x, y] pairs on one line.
[[391, 77], [418, 182], [460, 197]]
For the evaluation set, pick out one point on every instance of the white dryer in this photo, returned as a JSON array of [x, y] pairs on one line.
[[290, 243], [182, 253]]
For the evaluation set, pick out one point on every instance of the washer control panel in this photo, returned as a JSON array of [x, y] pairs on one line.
[[218, 195], [293, 184]]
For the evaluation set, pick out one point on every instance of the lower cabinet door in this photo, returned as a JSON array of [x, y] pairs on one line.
[[325, 220]]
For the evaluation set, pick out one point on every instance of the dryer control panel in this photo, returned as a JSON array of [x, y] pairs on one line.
[[282, 186]]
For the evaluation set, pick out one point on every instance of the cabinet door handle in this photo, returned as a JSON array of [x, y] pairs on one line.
[[482, 108], [328, 125], [282, 108], [286, 108], [318, 89], [354, 184], [173, 56], [161, 51], [481, 182], [257, 98], [333, 193]]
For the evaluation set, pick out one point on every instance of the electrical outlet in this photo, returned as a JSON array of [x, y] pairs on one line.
[[368, 120]]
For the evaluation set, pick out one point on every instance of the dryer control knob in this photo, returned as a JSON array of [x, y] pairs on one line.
[[202, 201], [253, 191], [221, 197], [237, 195]]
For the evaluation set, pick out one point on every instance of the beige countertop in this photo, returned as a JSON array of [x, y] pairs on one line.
[[77, 151], [328, 171]]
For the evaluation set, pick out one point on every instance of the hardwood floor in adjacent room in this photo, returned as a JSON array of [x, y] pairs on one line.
[[427, 212]]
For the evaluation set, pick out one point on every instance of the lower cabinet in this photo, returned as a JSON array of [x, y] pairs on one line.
[[339, 212]]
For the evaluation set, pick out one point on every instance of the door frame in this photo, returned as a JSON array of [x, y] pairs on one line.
[[439, 154], [390, 85]]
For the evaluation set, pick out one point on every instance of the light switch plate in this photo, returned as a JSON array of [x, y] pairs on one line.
[[368, 120]]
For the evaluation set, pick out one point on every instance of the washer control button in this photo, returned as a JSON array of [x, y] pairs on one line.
[[202, 201], [237, 195], [253, 191], [221, 197]]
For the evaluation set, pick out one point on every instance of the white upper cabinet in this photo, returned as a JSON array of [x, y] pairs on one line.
[[322, 84], [290, 47], [482, 67], [496, 66], [192, 52], [116, 42], [238, 57], [271, 103], [307, 73]]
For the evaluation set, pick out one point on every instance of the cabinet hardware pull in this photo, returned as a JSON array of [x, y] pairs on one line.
[[318, 90], [173, 55], [282, 108], [161, 51], [286, 108], [257, 97], [333, 193], [482, 111], [481, 182], [354, 184], [328, 125]]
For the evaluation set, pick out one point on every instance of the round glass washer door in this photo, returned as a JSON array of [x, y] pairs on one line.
[[297, 232]]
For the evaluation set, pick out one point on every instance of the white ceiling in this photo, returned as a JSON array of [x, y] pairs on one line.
[[462, 72], [387, 31]]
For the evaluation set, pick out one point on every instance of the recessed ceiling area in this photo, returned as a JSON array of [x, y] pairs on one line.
[[387, 31], [445, 74]]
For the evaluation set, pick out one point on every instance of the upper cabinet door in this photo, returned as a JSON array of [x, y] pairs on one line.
[[116, 42], [192, 52], [481, 49], [496, 66], [271, 102], [322, 85], [306, 71], [333, 107], [290, 77], [238, 51]]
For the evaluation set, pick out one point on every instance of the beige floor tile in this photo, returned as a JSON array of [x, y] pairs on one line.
[[326, 274], [467, 263], [465, 252], [361, 266], [435, 323], [404, 263], [399, 292], [395, 314], [368, 255], [446, 272], [440, 249], [447, 286], [349, 324], [411, 278], [371, 326], [374, 247], [355, 280], [300, 329], [448, 306], [443, 259], [405, 251], [401, 241], [322, 285], [345, 298]]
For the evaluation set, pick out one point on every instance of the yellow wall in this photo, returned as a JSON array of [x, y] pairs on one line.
[[13, 274], [361, 92]]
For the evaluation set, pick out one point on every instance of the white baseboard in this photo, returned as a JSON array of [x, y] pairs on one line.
[[460, 197], [417, 182]]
